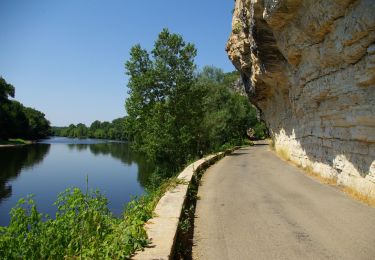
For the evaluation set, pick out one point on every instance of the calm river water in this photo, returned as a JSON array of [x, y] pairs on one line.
[[48, 168]]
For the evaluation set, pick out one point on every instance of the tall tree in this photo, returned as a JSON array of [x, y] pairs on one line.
[[39, 126], [175, 114], [18, 121], [6, 90], [159, 104]]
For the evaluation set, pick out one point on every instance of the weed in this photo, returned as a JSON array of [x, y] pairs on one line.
[[17, 141], [365, 198], [272, 144], [284, 154], [83, 227], [310, 171], [237, 27]]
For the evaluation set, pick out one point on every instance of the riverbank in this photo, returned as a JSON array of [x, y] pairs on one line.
[[15, 142]]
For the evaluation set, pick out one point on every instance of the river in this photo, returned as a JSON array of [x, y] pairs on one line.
[[47, 168]]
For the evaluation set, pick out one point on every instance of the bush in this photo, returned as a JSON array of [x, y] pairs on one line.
[[83, 227], [260, 131]]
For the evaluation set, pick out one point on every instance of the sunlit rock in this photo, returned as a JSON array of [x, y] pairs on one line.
[[309, 66]]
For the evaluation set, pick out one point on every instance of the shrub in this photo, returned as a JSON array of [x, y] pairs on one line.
[[83, 227]]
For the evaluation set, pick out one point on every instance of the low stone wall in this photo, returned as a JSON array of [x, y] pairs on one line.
[[162, 229]]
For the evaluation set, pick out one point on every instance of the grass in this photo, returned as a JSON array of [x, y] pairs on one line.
[[283, 153], [309, 171], [365, 198], [247, 142], [272, 144], [16, 141], [354, 194]]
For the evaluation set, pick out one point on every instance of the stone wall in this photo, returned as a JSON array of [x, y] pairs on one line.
[[309, 66]]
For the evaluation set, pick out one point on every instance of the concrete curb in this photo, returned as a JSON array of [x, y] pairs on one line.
[[162, 229]]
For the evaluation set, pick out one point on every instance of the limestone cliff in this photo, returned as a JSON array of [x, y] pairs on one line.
[[309, 66]]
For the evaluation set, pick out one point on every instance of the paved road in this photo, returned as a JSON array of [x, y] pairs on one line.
[[255, 206]]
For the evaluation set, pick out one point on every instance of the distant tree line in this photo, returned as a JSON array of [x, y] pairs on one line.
[[18, 121], [114, 130]]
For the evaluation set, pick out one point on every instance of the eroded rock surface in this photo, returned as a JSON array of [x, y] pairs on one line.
[[309, 66]]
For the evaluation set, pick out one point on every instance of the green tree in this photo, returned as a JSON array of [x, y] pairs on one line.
[[81, 131], [95, 125], [160, 104], [38, 125], [17, 121], [213, 74], [13, 121], [6, 90], [226, 114]]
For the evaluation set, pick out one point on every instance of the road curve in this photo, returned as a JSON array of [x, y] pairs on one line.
[[252, 205]]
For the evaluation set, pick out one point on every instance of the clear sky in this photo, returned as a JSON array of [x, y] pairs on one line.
[[66, 57]]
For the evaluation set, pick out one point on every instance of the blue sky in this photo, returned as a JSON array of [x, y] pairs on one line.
[[66, 57]]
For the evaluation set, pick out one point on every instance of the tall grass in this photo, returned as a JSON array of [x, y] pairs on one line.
[[365, 198]]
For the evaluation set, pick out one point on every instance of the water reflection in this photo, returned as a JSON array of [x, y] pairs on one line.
[[14, 159], [120, 151], [113, 168]]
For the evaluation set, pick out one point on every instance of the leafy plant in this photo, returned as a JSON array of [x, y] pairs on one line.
[[176, 114], [237, 27], [83, 227]]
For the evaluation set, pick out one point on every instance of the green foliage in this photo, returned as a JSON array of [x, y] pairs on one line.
[[100, 130], [6, 90], [12, 141], [227, 115], [13, 121], [83, 227], [237, 28], [39, 126], [260, 130], [17, 121], [176, 114], [212, 74], [162, 100]]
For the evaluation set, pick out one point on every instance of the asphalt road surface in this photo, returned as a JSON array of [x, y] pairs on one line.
[[253, 205]]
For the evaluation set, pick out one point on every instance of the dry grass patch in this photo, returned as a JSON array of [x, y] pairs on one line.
[[271, 144], [354, 194], [283, 153], [365, 198], [309, 170]]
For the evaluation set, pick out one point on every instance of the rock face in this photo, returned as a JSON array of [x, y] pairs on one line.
[[309, 66]]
